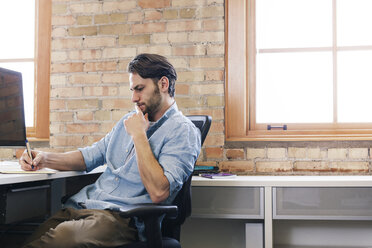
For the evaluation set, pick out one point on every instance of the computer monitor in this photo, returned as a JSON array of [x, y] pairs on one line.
[[12, 118]]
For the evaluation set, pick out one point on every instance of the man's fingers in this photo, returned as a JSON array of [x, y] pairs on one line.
[[25, 161], [138, 110], [37, 159], [26, 158], [28, 164]]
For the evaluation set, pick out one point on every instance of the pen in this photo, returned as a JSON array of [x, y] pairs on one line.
[[28, 148]]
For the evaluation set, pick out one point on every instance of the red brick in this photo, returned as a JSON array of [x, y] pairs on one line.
[[311, 166], [151, 4], [148, 28], [100, 66], [153, 15], [349, 167], [206, 163], [214, 75], [184, 26], [82, 128], [117, 104], [84, 116], [214, 152], [235, 154], [189, 50], [240, 167], [67, 67], [182, 89], [65, 141], [215, 140], [274, 166], [57, 104]]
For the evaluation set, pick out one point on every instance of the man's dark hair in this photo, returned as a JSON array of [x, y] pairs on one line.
[[154, 66]]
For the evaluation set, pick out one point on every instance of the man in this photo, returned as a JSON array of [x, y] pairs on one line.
[[149, 154]]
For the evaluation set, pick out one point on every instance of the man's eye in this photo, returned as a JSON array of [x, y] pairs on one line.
[[139, 89]]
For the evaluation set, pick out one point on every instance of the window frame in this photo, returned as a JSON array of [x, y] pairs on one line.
[[43, 15], [240, 88]]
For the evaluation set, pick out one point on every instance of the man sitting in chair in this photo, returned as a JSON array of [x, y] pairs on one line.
[[149, 154]]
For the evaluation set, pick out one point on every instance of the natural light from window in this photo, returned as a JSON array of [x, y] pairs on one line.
[[293, 23], [290, 92], [313, 66], [17, 45]]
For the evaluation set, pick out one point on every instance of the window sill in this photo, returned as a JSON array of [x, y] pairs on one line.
[[341, 137], [38, 142], [304, 143]]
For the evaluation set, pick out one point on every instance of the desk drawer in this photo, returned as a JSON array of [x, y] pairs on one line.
[[227, 202], [24, 201], [322, 203]]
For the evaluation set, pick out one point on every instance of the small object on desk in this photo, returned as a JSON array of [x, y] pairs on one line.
[[218, 176], [10, 167], [202, 169]]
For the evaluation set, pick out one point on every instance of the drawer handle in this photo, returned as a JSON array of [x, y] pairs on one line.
[[30, 188]]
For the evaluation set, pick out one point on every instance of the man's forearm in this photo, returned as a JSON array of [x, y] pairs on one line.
[[65, 161], [151, 172]]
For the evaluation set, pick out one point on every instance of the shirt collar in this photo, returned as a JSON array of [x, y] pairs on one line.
[[170, 111]]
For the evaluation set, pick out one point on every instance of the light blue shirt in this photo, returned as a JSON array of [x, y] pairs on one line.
[[175, 143]]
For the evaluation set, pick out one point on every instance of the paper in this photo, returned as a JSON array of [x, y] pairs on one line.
[[10, 167]]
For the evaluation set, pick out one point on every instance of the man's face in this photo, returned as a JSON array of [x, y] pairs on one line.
[[145, 94]]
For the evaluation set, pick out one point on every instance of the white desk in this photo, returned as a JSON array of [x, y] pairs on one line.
[[289, 211], [22, 178], [24, 196], [287, 181]]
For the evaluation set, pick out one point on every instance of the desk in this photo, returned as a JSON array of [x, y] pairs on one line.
[[24, 196], [22, 178], [280, 211]]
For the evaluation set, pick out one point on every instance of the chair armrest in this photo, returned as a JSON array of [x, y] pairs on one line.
[[144, 210]]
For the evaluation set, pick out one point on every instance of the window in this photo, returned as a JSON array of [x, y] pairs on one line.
[[298, 69], [25, 47]]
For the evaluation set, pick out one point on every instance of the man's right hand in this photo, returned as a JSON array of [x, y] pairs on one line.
[[31, 165], [137, 123]]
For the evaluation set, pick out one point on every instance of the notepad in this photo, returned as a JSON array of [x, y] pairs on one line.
[[10, 167], [218, 175]]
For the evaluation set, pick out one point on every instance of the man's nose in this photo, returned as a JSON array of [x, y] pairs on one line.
[[135, 97]]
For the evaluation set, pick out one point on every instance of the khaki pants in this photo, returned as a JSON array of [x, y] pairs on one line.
[[83, 228]]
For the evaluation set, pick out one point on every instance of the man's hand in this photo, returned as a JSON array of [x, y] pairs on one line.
[[31, 165], [137, 124]]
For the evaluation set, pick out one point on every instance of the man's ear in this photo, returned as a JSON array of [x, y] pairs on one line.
[[164, 84]]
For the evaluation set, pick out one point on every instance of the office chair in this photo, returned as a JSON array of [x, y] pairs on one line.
[[167, 233]]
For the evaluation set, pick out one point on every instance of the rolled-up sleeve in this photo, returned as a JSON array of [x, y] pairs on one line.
[[179, 153]]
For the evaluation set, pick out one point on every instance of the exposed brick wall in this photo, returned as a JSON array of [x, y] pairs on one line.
[[297, 160], [92, 43]]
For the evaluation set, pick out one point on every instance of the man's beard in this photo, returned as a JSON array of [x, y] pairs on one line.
[[153, 106]]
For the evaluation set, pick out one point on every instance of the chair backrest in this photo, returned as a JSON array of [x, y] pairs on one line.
[[172, 227]]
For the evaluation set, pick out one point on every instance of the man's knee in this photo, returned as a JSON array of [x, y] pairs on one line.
[[60, 237]]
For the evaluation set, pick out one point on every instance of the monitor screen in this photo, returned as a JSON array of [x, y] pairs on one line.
[[12, 118]]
